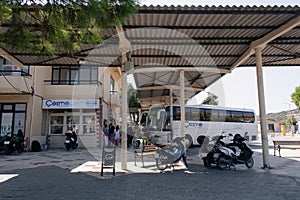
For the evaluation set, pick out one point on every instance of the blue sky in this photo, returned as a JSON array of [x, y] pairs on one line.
[[239, 88]]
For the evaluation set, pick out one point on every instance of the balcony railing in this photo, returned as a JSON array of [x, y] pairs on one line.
[[14, 73]]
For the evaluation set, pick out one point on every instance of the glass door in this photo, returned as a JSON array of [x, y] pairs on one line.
[[6, 123]]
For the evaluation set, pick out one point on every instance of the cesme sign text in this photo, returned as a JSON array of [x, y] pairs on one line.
[[57, 104]]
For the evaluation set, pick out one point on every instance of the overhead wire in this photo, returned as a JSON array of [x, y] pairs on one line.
[[11, 84]]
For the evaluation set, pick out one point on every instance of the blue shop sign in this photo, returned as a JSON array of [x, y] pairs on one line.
[[70, 103]]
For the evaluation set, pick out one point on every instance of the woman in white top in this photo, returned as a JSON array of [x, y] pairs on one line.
[[117, 136]]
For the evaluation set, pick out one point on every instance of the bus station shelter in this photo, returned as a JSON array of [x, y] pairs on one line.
[[175, 52]]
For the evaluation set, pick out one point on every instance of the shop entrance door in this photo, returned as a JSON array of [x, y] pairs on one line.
[[12, 118], [6, 123]]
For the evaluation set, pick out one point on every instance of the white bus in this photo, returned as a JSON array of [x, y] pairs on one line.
[[204, 120]]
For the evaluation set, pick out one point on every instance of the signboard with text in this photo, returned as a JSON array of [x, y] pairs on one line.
[[70, 103]]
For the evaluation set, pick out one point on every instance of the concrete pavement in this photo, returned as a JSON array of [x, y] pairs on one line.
[[46, 175]]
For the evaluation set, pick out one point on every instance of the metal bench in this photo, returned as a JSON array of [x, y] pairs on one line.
[[147, 150], [292, 143]]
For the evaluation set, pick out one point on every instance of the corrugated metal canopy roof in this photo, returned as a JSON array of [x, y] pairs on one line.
[[205, 41]]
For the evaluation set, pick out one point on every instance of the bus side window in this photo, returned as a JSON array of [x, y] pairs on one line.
[[214, 115], [202, 115], [248, 117], [207, 116], [177, 116], [176, 113], [188, 114], [228, 116], [237, 116], [222, 115], [195, 114]]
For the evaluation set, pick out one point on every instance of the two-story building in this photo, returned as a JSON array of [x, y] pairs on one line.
[[45, 101]]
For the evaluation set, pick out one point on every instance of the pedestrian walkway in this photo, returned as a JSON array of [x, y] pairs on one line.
[[289, 162], [53, 174], [89, 161]]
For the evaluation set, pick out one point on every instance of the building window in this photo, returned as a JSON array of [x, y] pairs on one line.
[[8, 68], [89, 124], [12, 118], [56, 124], [74, 75], [84, 121], [112, 84]]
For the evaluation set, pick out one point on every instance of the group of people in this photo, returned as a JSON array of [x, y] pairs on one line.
[[112, 135]]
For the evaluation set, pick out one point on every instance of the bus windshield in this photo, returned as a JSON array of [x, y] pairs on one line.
[[156, 118]]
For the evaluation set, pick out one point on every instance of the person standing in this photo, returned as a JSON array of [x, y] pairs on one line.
[[117, 136], [111, 129], [74, 134], [105, 134]]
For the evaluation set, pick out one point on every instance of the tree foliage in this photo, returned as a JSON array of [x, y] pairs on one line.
[[211, 99], [59, 25], [295, 96], [133, 100]]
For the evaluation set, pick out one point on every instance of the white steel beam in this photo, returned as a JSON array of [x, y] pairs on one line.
[[9, 57], [262, 108], [262, 42], [152, 69], [124, 46], [182, 108], [173, 87]]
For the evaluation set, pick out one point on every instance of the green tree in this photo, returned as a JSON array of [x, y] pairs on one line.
[[211, 99], [291, 121], [59, 25], [133, 102], [295, 96]]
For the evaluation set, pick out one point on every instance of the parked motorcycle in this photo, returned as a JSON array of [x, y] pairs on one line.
[[71, 140], [13, 143], [169, 155], [229, 155], [2, 139]]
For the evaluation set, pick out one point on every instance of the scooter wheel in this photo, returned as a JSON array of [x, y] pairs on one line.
[[221, 163], [160, 164], [250, 163], [8, 151], [206, 162], [68, 147]]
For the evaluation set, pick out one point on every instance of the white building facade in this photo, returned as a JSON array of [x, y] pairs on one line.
[[44, 101]]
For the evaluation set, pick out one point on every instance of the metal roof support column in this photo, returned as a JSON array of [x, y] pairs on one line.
[[124, 46], [171, 113], [182, 108], [262, 108], [124, 116]]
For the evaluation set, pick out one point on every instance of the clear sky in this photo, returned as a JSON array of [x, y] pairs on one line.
[[239, 88]]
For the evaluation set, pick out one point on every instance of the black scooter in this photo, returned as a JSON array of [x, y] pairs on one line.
[[169, 155], [13, 143], [71, 140], [229, 155]]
